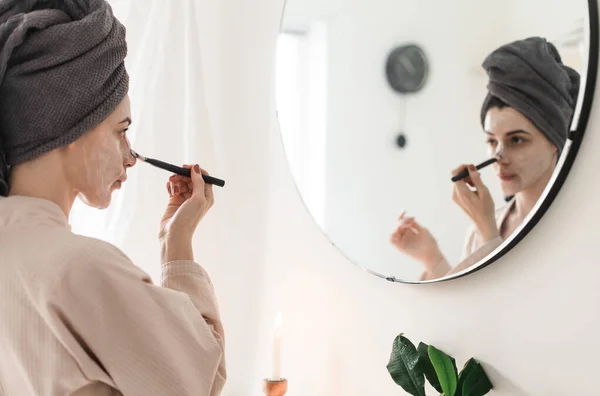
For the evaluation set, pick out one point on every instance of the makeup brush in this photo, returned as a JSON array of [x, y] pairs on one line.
[[178, 170], [465, 172]]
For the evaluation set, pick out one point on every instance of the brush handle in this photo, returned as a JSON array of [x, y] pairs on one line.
[[465, 172], [184, 172]]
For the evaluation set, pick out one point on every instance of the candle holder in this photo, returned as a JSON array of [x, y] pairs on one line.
[[275, 387]]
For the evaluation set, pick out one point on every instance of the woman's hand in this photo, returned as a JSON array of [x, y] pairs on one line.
[[416, 241], [189, 201], [477, 204]]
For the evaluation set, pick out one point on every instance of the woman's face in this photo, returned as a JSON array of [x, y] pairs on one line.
[[528, 157], [96, 164]]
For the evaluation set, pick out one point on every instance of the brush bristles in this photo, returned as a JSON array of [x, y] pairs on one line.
[[137, 156]]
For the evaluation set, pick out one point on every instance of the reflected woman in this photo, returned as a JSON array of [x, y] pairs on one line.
[[526, 118]]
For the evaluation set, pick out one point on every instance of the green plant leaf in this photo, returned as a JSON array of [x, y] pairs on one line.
[[404, 367], [427, 367], [445, 370], [467, 368], [476, 382]]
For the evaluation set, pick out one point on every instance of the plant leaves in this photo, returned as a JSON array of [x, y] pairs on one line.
[[476, 382], [427, 367], [404, 367], [445, 369]]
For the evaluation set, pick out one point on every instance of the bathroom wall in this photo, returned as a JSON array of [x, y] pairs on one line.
[[527, 317]]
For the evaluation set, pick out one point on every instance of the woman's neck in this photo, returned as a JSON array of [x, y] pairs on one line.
[[43, 178]]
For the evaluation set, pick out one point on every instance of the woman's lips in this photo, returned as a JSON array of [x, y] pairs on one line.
[[120, 182]]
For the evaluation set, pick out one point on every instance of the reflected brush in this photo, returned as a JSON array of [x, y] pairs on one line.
[[465, 172], [178, 170]]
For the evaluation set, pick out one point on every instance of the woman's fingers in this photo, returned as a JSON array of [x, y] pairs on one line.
[[208, 189], [402, 215], [462, 192], [461, 168], [475, 177], [415, 225], [401, 231], [179, 188], [175, 178], [409, 223], [180, 185]]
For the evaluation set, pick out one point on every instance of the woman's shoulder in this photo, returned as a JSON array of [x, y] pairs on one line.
[[73, 247], [91, 257], [88, 246]]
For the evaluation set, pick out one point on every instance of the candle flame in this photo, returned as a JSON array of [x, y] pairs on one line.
[[278, 320]]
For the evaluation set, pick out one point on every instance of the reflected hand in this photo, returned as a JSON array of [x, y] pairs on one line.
[[477, 204], [417, 242]]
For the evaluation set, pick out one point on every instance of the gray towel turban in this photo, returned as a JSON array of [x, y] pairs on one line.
[[529, 76], [62, 72]]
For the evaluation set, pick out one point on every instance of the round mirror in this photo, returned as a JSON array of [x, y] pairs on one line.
[[427, 139]]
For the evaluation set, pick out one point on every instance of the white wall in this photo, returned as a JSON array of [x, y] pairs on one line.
[[441, 123], [527, 317], [531, 318]]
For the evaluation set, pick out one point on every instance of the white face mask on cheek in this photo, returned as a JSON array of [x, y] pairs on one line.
[[536, 162], [103, 166]]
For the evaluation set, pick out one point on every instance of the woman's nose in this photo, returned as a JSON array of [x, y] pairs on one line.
[[130, 159], [503, 157], [498, 152]]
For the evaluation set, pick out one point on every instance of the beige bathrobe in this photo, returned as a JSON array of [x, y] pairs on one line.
[[474, 249], [78, 318]]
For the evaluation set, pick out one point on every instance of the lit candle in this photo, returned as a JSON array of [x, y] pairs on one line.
[[276, 374]]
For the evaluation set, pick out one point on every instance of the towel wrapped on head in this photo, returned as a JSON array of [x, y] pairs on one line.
[[62, 72], [529, 76]]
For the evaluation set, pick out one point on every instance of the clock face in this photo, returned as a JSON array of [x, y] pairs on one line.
[[407, 69]]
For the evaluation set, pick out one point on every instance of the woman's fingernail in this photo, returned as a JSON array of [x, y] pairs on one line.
[[176, 189], [197, 168]]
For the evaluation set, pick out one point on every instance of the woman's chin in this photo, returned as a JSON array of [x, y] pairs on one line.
[[510, 188], [104, 204], [97, 201]]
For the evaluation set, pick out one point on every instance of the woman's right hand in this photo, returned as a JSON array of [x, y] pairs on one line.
[[189, 201], [416, 241], [478, 203]]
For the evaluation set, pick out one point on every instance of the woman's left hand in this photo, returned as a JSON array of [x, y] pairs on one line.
[[190, 198], [477, 204]]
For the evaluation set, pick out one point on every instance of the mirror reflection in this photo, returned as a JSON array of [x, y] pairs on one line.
[[421, 142]]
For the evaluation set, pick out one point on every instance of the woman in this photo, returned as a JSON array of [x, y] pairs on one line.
[[77, 317], [526, 118]]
